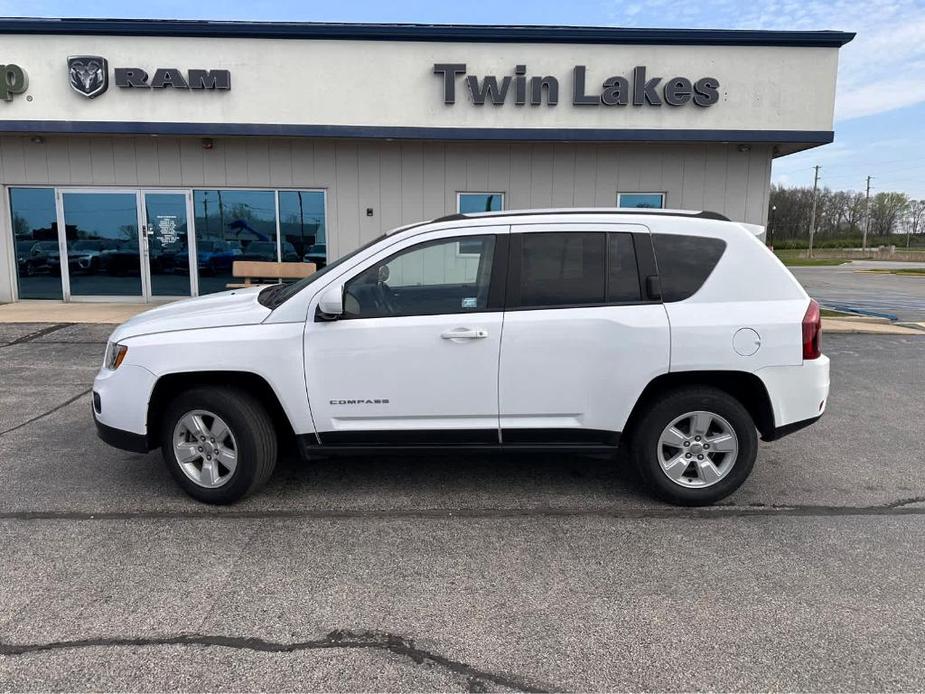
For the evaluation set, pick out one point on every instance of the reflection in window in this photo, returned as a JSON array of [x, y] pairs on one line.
[[228, 222], [562, 269], [468, 203], [168, 249], [35, 240], [103, 256], [427, 279], [301, 223], [649, 200]]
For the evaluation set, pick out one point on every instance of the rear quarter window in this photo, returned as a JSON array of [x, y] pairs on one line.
[[685, 262]]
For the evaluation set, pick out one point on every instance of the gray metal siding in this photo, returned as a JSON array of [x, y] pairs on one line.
[[404, 181]]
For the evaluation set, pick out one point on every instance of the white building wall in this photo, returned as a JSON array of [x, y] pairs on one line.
[[402, 181]]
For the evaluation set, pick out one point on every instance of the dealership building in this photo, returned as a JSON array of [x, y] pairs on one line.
[[139, 159]]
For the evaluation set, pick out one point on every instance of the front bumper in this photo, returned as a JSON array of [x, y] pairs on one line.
[[120, 407], [119, 438]]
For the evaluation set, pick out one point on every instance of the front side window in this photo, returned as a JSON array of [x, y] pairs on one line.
[[644, 200], [427, 279]]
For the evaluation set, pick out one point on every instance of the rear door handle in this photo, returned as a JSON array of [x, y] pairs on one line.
[[464, 334]]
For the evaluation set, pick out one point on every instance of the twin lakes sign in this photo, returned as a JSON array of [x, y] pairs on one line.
[[88, 75], [639, 89]]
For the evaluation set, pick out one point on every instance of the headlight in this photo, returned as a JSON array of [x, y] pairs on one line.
[[115, 353]]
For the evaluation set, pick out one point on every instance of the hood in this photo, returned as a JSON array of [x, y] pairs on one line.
[[235, 307]]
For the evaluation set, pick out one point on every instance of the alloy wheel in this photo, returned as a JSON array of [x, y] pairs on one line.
[[697, 449], [205, 448]]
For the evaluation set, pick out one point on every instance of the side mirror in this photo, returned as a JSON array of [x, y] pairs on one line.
[[331, 304]]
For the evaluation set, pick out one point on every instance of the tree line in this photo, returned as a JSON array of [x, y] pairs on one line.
[[841, 215]]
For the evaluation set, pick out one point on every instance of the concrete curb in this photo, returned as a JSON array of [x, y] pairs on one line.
[[847, 325]]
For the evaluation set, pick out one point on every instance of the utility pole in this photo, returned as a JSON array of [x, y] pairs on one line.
[[866, 216], [812, 218]]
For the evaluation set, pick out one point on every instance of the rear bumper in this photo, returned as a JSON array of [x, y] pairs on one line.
[[799, 394], [787, 429]]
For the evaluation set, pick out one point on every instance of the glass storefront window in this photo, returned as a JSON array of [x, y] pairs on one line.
[[232, 225], [479, 202], [102, 236], [35, 242], [648, 200], [101, 231], [301, 223]]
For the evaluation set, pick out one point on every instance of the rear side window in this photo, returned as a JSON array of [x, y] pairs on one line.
[[622, 270], [685, 262], [574, 269], [562, 269]]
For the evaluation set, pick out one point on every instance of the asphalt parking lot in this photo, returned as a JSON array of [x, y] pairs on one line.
[[463, 573], [849, 286]]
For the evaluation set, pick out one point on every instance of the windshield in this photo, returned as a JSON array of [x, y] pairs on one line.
[[276, 295]]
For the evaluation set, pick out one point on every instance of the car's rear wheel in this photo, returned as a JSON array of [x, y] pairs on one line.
[[695, 446], [219, 443]]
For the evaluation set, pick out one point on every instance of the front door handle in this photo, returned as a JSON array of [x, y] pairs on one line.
[[464, 334]]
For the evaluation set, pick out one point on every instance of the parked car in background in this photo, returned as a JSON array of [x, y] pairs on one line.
[[87, 255], [677, 334], [46, 256], [317, 254], [266, 251], [215, 257], [29, 263]]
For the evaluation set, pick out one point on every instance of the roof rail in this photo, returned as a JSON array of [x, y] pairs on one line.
[[705, 214]]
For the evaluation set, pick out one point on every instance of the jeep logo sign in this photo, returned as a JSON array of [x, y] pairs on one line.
[[638, 89], [89, 76], [13, 80]]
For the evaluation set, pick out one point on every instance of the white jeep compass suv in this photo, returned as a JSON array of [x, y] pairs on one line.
[[676, 333]]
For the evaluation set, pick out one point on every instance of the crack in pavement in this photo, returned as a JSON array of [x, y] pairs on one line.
[[29, 337], [902, 507], [48, 412], [338, 639]]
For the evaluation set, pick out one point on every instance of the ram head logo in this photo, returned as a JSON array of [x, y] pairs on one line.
[[88, 74]]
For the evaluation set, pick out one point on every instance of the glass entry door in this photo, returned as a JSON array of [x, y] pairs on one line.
[[125, 244], [166, 243], [100, 248]]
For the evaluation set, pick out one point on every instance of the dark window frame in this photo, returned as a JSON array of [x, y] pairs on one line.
[[496, 284], [645, 267]]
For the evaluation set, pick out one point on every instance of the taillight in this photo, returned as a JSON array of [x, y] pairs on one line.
[[812, 331]]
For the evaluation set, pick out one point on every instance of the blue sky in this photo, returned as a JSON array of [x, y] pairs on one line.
[[880, 109]]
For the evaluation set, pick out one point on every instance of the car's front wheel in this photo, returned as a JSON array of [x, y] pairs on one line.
[[695, 446], [219, 443]]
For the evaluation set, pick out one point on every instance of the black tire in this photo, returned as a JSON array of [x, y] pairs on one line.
[[665, 409], [253, 432]]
